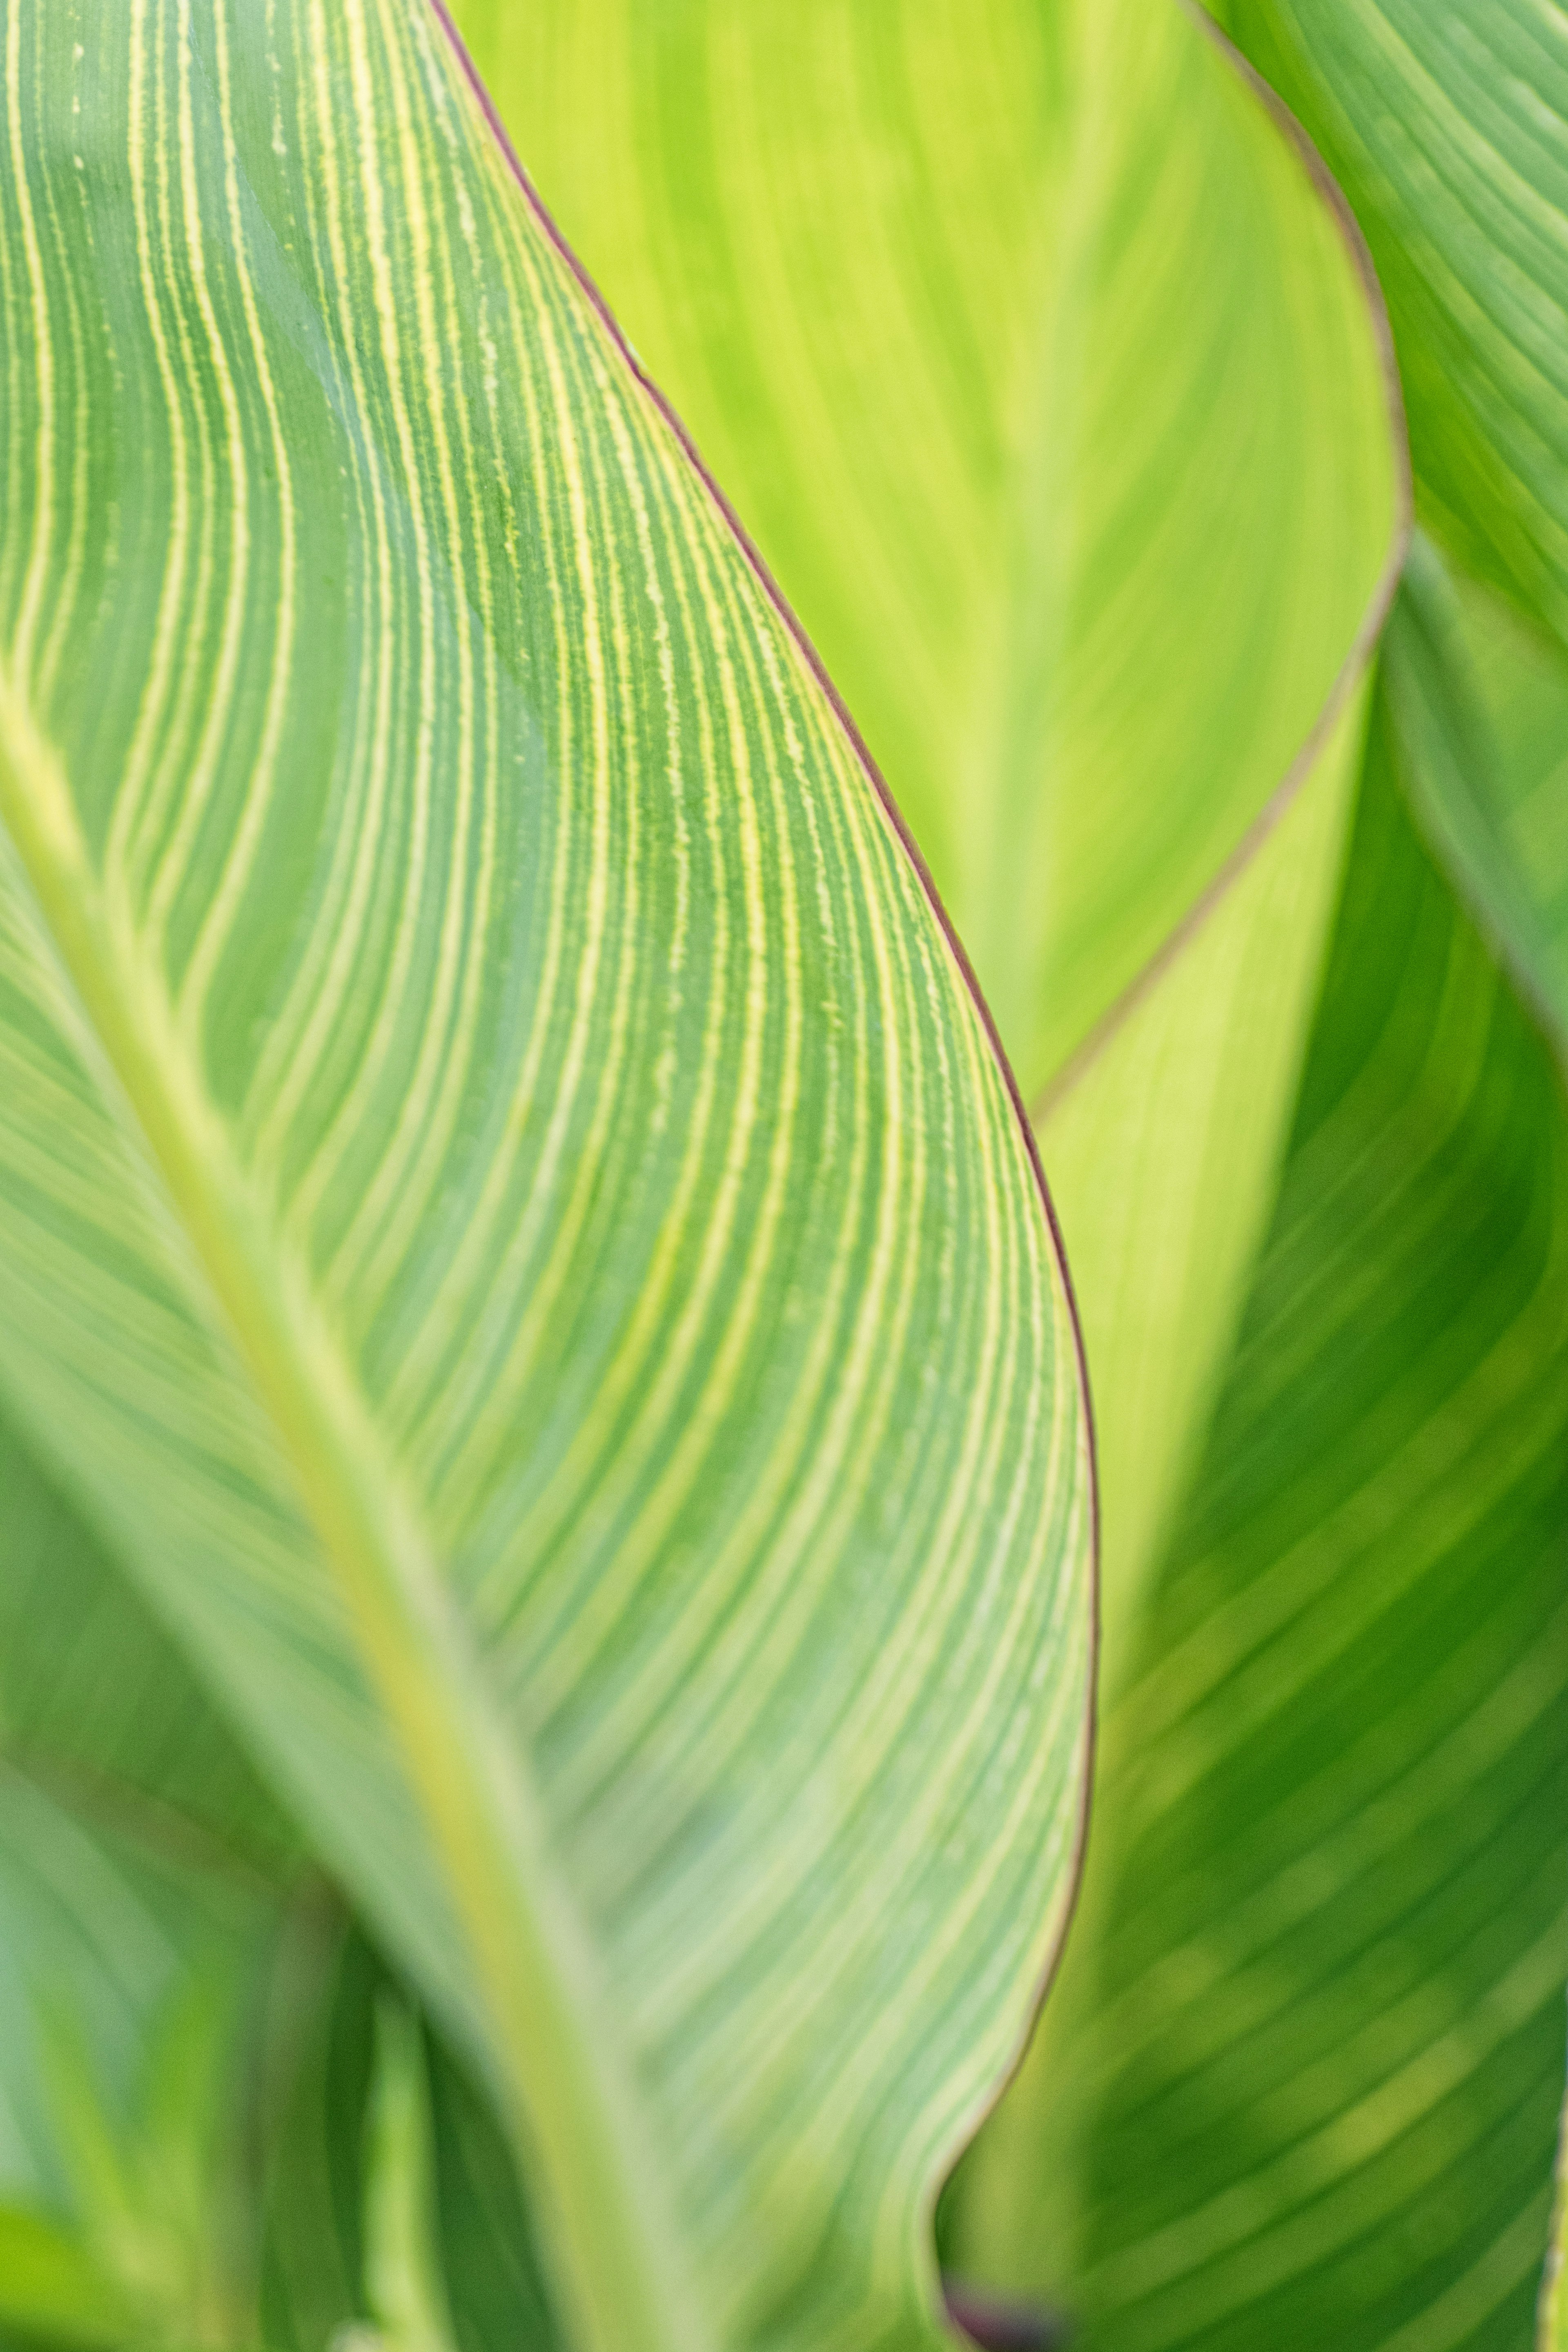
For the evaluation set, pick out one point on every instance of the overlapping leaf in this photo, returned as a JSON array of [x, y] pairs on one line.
[[1036, 359], [508, 1210], [1446, 124], [1485, 699], [1052, 382], [1323, 2071]]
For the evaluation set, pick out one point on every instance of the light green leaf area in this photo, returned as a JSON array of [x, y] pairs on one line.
[[1315, 2090], [51, 2288], [1044, 373], [1552, 2315], [1487, 701], [1164, 1155], [1445, 122], [509, 1213], [406, 2292]]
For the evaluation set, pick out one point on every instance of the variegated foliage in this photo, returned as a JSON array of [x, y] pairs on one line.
[[1012, 446], [528, 1297], [513, 1228]]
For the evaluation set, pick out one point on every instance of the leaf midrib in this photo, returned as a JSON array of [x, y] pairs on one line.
[[566, 2084]]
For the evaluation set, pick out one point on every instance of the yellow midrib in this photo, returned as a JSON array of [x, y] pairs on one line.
[[567, 2090]]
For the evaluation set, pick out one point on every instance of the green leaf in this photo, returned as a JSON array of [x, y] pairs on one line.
[[1445, 122], [1032, 351], [981, 440], [468, 2225], [125, 1980], [509, 1211], [1552, 2318], [1164, 1155], [494, 2289], [51, 2287], [99, 1707], [1319, 2074], [1057, 394], [1486, 702], [143, 1879], [406, 2292]]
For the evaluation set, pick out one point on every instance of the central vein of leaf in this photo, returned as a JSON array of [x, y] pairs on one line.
[[563, 2082]]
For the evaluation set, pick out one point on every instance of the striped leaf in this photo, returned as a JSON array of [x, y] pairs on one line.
[[1081, 458], [1486, 699], [511, 1216], [1096, 520], [1323, 2073], [1029, 345], [1446, 124]]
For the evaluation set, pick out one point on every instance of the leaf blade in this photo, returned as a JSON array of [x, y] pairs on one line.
[[884, 399], [1444, 126], [622, 777], [1322, 2067]]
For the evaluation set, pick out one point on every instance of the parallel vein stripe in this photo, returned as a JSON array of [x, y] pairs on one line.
[[551, 1187]]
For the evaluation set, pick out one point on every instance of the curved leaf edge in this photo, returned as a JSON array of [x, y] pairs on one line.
[[1362, 645], [910, 848]]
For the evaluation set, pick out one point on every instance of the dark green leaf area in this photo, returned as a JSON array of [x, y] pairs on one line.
[[312, 2263], [494, 2288], [317, 2259], [1331, 2052]]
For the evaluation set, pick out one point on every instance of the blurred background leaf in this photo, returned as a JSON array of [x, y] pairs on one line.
[[1309, 2095], [1445, 122]]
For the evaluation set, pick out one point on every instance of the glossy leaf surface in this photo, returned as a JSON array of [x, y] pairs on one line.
[[508, 1207]]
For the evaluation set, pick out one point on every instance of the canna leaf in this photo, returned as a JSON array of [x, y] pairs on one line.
[[341, 2206], [1552, 2315], [1317, 2084], [1028, 343], [1164, 1154], [124, 1979], [509, 1212], [1445, 122], [1054, 385], [100, 1709], [1486, 700], [147, 1893], [406, 2290], [50, 2287]]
